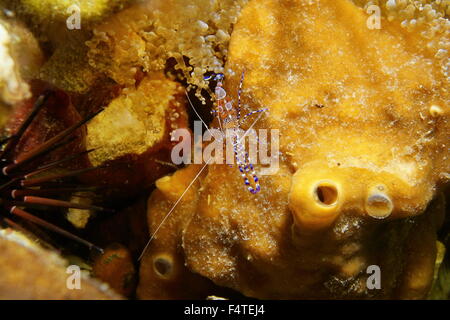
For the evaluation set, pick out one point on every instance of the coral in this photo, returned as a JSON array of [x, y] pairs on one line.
[[427, 18], [79, 218], [132, 134], [45, 276], [363, 120], [134, 121], [46, 14], [20, 57], [67, 68], [11, 84], [148, 33]]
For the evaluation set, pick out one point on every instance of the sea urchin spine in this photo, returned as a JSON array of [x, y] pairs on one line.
[[23, 187]]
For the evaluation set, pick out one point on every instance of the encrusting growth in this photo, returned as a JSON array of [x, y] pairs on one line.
[[358, 174]]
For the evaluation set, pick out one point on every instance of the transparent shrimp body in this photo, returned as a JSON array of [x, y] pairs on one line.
[[229, 120]]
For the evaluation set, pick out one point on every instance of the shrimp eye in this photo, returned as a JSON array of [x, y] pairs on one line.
[[229, 106]]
